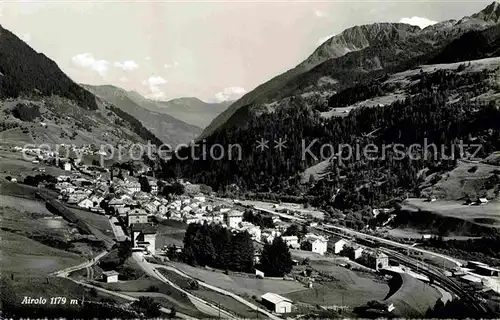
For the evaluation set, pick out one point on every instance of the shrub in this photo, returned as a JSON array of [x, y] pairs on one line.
[[26, 112]]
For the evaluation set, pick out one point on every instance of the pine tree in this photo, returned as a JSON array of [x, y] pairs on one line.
[[276, 260]]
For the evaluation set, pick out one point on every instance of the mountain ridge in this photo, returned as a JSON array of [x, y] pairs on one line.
[[41, 104], [420, 41], [169, 129]]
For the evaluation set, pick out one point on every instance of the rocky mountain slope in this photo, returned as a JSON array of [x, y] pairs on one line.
[[40, 104], [357, 53], [167, 128], [397, 93]]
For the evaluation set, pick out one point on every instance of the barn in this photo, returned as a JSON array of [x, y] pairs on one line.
[[277, 303]]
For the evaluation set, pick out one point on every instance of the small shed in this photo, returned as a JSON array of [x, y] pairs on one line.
[[277, 303], [110, 276]]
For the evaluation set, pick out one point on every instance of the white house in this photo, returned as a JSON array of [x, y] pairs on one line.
[[269, 235], [122, 211], [137, 216], [153, 185], [482, 201], [358, 252], [277, 303], [133, 187], [188, 219], [233, 218], [319, 244], [291, 241], [144, 236], [254, 231], [200, 198], [337, 244], [67, 166], [110, 276], [86, 204]]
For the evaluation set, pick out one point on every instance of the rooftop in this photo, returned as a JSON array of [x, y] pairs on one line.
[[144, 228], [110, 273], [274, 298]]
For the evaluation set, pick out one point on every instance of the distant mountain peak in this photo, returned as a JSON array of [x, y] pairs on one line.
[[489, 14], [357, 38]]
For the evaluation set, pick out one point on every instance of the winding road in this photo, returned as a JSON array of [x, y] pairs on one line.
[[224, 292], [202, 305], [64, 273]]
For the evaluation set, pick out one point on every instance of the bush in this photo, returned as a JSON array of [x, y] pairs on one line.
[[153, 289], [193, 284], [26, 112], [147, 306]]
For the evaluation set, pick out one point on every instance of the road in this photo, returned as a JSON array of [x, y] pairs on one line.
[[202, 305], [128, 298], [224, 292], [390, 242], [65, 272], [88, 264], [117, 230]]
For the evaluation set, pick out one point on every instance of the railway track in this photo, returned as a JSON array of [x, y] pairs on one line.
[[438, 276]]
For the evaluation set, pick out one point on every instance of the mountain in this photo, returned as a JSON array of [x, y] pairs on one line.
[[471, 46], [490, 14], [167, 128], [350, 40], [411, 89], [356, 54], [41, 104], [193, 110]]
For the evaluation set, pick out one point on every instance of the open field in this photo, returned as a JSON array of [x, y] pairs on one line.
[[13, 291], [290, 206], [97, 221], [226, 302], [167, 295], [414, 297], [468, 179], [487, 215], [240, 285], [27, 205], [170, 232], [340, 286], [21, 255], [12, 164], [415, 235]]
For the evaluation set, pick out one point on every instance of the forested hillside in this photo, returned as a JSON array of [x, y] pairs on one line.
[[24, 71], [41, 104], [366, 53], [441, 107]]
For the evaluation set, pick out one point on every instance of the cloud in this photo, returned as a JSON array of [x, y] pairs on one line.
[[324, 39], [174, 65], [147, 58], [123, 79], [230, 94], [87, 60], [320, 14], [154, 83], [418, 21], [127, 65]]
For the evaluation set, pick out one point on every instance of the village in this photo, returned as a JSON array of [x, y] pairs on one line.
[[136, 203]]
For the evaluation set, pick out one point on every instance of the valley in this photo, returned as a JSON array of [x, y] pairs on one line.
[[367, 183]]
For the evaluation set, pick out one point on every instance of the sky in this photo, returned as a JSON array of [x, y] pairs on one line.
[[213, 50]]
